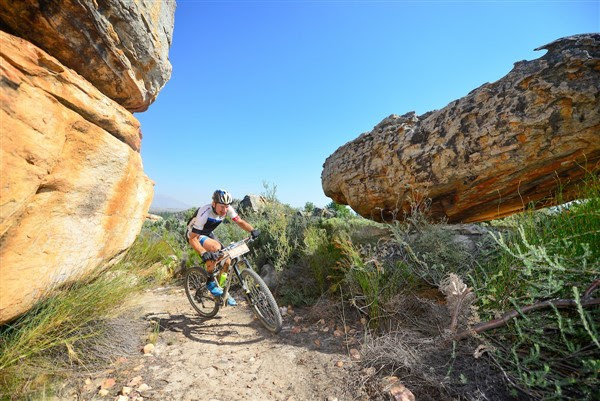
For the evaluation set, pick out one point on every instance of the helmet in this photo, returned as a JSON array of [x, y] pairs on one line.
[[222, 196]]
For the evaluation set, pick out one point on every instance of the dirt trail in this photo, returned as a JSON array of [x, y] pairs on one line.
[[229, 357]]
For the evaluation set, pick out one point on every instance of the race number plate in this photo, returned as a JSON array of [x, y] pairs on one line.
[[238, 250]]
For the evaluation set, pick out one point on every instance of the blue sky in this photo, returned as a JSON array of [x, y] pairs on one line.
[[265, 91]]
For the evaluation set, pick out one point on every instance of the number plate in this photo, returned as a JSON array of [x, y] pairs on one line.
[[238, 250]]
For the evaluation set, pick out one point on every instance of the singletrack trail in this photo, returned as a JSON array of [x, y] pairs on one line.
[[229, 357]]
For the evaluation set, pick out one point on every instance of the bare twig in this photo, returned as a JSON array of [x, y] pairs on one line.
[[591, 289], [512, 383]]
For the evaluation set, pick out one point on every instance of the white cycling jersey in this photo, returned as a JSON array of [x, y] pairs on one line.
[[206, 220]]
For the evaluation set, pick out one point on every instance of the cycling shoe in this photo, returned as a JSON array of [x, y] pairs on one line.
[[231, 301], [214, 289]]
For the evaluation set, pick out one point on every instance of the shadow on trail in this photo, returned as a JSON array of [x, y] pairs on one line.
[[227, 329], [204, 330], [201, 329]]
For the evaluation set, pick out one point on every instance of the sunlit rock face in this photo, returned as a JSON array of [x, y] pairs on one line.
[[488, 154], [120, 46], [73, 191]]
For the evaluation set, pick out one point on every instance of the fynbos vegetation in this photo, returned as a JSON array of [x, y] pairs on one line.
[[501, 310]]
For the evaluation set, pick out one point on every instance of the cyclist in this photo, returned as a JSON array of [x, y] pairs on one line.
[[201, 237]]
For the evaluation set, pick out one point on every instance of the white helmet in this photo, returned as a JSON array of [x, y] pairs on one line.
[[222, 196]]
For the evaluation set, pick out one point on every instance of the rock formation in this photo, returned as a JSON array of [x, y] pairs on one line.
[[73, 191], [253, 203], [121, 47], [488, 154]]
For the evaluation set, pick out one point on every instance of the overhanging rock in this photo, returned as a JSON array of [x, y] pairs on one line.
[[488, 154], [121, 47]]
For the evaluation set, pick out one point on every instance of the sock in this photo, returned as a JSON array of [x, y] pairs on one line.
[[222, 279]]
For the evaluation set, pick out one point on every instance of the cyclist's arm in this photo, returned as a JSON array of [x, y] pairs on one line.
[[243, 224], [195, 243]]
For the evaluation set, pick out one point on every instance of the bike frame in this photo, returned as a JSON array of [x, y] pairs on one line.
[[229, 280], [234, 266]]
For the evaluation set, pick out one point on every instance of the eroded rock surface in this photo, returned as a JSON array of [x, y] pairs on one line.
[[120, 46], [73, 191], [487, 154]]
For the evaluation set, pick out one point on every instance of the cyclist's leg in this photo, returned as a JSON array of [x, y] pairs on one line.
[[211, 246], [224, 269], [214, 241]]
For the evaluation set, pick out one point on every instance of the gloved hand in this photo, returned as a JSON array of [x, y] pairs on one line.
[[255, 233], [209, 256]]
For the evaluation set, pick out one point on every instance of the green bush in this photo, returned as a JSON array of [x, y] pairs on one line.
[[553, 253], [319, 254], [315, 256], [309, 207], [430, 252], [276, 243], [339, 210]]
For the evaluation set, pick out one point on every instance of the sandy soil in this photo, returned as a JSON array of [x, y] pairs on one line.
[[229, 357]]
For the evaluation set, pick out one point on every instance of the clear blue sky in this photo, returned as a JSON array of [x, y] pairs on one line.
[[265, 91]]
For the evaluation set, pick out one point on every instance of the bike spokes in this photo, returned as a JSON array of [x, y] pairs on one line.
[[262, 301], [199, 296]]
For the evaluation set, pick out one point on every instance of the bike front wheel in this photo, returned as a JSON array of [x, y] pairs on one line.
[[261, 300], [206, 304]]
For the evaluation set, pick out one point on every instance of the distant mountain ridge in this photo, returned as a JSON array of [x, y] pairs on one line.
[[164, 203]]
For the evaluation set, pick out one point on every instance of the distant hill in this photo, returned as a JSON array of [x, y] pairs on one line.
[[164, 203]]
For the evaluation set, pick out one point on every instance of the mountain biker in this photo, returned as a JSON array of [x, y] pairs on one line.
[[201, 237]]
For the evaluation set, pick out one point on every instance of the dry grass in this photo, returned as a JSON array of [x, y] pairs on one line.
[[77, 327], [414, 348]]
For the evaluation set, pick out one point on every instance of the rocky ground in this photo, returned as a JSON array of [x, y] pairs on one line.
[[230, 357]]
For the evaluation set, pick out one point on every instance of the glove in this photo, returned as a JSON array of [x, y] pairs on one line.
[[206, 256], [255, 233]]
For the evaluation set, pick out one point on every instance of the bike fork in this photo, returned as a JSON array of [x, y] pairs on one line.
[[242, 283]]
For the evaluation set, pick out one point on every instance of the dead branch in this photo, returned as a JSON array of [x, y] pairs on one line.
[[458, 308], [591, 289], [586, 302]]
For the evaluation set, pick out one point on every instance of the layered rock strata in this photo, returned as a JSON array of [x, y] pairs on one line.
[[73, 191], [120, 46], [488, 154]]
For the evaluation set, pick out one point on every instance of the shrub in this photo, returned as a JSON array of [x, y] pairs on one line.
[[431, 253], [553, 253], [339, 210], [319, 255], [551, 353], [276, 242], [309, 207]]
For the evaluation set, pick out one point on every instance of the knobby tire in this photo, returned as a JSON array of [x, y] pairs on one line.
[[261, 300], [206, 304]]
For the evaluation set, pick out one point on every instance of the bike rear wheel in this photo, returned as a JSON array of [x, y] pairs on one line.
[[206, 304], [261, 300]]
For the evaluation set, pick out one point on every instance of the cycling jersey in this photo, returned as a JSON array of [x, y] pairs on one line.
[[206, 220]]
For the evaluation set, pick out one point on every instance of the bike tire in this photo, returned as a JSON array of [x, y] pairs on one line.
[[261, 300], [206, 304]]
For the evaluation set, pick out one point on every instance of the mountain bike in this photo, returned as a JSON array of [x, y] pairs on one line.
[[257, 293]]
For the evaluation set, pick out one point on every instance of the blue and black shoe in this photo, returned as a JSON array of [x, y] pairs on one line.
[[214, 288]]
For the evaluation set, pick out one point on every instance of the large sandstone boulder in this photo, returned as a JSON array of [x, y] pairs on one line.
[[120, 46], [73, 191], [253, 203], [488, 154]]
